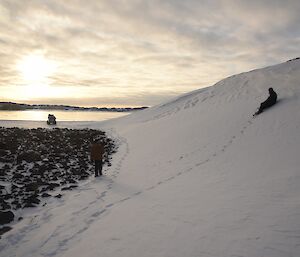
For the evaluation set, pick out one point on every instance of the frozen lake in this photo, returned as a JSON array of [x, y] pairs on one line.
[[61, 115]]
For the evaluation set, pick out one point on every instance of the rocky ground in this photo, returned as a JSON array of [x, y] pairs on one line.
[[35, 162]]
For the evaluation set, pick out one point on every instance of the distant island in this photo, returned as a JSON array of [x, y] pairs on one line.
[[10, 106]]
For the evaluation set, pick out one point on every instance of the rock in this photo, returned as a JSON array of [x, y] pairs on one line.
[[29, 156], [6, 217], [32, 187], [29, 205], [84, 175], [46, 159], [43, 189], [4, 230], [17, 206], [54, 178], [15, 203], [45, 195], [51, 186], [75, 171], [20, 167], [36, 172], [6, 196], [3, 152], [4, 205], [42, 169], [3, 145], [31, 201], [72, 181], [2, 172], [27, 180], [69, 187], [17, 176]]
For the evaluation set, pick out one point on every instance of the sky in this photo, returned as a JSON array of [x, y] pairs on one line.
[[136, 52]]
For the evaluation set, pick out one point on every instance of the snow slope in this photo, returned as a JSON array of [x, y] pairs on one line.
[[196, 176]]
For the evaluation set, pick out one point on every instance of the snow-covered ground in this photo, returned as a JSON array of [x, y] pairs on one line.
[[196, 176]]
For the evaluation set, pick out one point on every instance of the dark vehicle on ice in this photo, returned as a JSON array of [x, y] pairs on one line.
[[51, 119]]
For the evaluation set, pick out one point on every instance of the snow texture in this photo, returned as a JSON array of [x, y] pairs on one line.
[[196, 176]]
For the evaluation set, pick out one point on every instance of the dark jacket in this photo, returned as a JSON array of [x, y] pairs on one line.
[[97, 151], [271, 100]]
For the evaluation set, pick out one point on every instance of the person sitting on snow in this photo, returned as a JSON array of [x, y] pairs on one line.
[[269, 102]]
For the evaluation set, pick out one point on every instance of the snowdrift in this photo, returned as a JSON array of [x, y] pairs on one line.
[[196, 176]]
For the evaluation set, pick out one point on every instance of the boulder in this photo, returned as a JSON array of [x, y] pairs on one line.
[[45, 195], [31, 201], [4, 205], [29, 156], [4, 230], [32, 187], [69, 187], [51, 186], [29, 205], [6, 217], [72, 181], [3, 152], [17, 176]]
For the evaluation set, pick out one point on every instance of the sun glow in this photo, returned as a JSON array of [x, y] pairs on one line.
[[36, 68], [35, 72]]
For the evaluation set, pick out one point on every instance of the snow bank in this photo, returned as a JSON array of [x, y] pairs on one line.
[[196, 176]]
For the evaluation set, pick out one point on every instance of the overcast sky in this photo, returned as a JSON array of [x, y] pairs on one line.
[[136, 52]]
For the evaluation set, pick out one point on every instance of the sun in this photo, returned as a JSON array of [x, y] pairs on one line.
[[35, 72], [35, 69]]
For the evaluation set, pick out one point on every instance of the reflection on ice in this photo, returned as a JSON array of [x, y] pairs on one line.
[[61, 115]]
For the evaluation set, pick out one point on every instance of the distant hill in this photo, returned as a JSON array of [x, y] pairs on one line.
[[20, 106]]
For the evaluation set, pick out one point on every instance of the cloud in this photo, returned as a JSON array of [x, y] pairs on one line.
[[163, 47]]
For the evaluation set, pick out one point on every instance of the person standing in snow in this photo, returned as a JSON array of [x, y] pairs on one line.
[[271, 100], [97, 151]]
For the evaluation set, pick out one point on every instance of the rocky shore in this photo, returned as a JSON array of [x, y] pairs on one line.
[[35, 163]]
